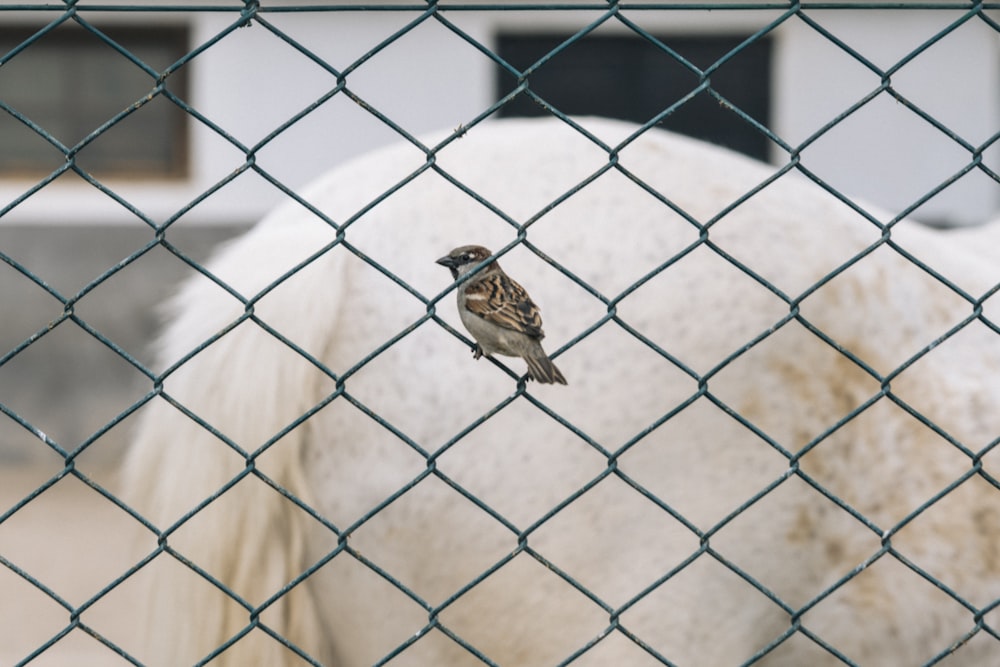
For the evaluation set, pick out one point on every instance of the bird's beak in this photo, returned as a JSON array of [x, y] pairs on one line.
[[447, 260]]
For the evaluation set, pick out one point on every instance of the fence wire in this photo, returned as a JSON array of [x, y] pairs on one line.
[[629, 16]]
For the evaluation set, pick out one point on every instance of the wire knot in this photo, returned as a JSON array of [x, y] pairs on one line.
[[249, 12]]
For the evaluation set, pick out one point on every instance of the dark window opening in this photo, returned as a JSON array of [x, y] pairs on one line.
[[69, 82], [629, 78]]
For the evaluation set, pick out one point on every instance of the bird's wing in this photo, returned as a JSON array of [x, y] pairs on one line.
[[498, 299]]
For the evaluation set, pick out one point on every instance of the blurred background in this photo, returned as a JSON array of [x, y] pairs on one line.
[[886, 105]]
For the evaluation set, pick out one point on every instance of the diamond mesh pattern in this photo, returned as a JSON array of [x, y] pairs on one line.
[[690, 538]]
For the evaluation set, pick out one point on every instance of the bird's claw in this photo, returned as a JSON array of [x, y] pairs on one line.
[[477, 351]]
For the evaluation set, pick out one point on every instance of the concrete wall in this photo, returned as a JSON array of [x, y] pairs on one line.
[[67, 383], [251, 82], [885, 152]]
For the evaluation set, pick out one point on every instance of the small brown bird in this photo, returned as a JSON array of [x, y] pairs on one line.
[[499, 313]]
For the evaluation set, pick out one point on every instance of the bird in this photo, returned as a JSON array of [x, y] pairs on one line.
[[499, 314]]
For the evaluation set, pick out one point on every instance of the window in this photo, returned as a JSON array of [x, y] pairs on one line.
[[628, 78], [70, 82]]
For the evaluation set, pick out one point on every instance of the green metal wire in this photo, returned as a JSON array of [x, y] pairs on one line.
[[626, 14]]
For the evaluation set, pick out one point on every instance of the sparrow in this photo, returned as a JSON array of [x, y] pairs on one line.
[[499, 314]]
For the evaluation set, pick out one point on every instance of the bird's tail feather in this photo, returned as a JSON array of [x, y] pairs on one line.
[[542, 370]]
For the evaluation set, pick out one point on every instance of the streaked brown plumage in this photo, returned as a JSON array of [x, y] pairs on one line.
[[499, 314]]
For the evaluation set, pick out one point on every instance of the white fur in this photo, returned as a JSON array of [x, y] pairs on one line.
[[522, 462]]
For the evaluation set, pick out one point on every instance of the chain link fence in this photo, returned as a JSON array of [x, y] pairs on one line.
[[329, 541]]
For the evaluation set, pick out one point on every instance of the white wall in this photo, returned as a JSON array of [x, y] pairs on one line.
[[251, 82], [885, 152]]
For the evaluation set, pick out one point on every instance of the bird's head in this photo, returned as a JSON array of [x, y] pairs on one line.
[[461, 260]]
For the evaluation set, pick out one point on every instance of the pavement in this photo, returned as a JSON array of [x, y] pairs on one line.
[[74, 542]]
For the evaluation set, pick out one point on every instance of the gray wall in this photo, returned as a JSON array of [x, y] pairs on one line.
[[67, 384]]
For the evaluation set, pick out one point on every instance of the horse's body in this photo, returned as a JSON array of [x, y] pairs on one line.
[[742, 431]]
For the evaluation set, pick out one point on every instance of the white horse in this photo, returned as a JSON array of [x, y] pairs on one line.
[[769, 447]]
